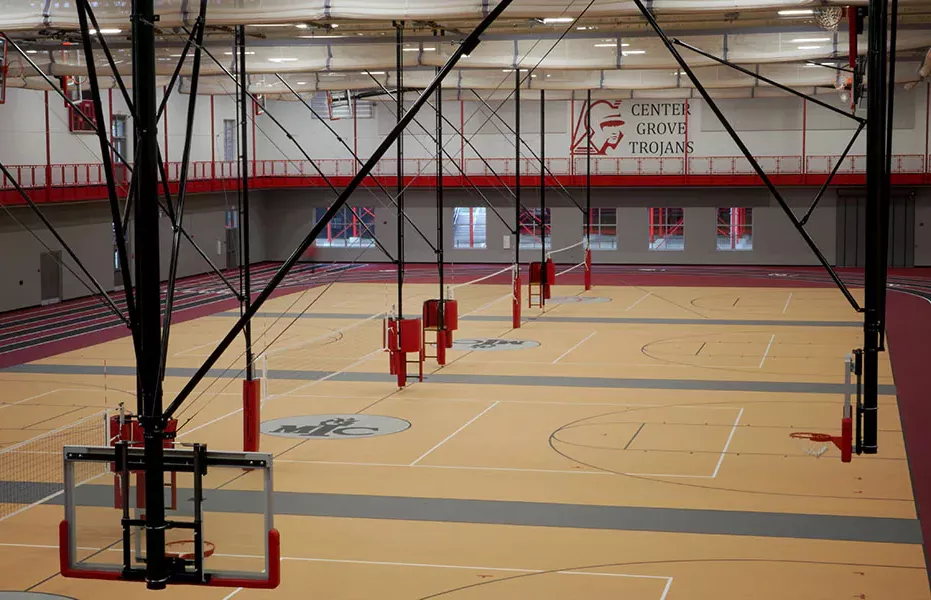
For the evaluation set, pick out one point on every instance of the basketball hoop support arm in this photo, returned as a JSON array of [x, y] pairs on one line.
[[467, 46], [735, 137]]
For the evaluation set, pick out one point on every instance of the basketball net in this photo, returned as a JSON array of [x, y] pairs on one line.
[[829, 17]]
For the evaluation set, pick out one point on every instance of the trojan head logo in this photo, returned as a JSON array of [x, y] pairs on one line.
[[605, 133]]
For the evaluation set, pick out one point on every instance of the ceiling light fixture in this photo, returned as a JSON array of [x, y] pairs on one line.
[[557, 20], [796, 12], [809, 47], [226, 53], [628, 52], [611, 45], [271, 25], [106, 31], [31, 51], [810, 40], [372, 73], [302, 83], [301, 25], [281, 60]]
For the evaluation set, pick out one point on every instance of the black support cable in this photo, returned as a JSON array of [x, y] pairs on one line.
[[182, 195], [588, 171], [543, 274], [769, 81], [109, 55], [830, 178], [122, 255], [399, 148], [533, 154], [735, 137], [244, 259], [64, 245], [517, 190], [467, 46], [475, 187], [304, 153], [876, 205], [467, 141], [890, 113]]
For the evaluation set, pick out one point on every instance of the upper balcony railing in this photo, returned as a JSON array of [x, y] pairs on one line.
[[92, 174]]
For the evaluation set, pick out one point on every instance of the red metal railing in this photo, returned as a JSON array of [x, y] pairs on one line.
[[57, 177]]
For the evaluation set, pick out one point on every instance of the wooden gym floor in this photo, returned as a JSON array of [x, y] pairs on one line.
[[640, 450]]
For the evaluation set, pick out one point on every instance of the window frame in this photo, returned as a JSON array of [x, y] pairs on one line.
[[477, 228], [530, 223], [354, 219], [732, 231], [666, 224], [596, 227]]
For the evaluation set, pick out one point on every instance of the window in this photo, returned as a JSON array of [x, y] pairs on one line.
[[532, 228], [118, 138], [667, 229], [735, 229], [469, 227], [229, 140], [603, 228], [347, 228]]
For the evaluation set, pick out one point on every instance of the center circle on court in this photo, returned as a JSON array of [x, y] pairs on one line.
[[334, 427], [493, 344], [577, 299], [32, 596]]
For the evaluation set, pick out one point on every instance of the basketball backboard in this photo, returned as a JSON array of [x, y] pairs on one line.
[[228, 509]]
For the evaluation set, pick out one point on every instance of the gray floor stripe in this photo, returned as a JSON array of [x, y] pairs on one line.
[[785, 387], [538, 514], [558, 319]]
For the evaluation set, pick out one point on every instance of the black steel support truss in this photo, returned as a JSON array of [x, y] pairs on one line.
[[588, 172], [543, 219], [468, 45], [399, 148], [440, 217], [517, 190], [684, 66]]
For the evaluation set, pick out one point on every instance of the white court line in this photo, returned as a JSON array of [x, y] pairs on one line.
[[642, 298], [787, 303], [502, 469], [453, 434], [2, 406], [766, 353], [384, 563], [566, 353], [237, 590], [728, 444]]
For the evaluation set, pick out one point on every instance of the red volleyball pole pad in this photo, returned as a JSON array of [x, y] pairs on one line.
[[846, 440], [588, 269], [441, 347], [550, 278], [515, 303], [251, 414]]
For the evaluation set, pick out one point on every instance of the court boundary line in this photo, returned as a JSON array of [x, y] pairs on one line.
[[667, 578], [453, 434], [727, 444], [566, 353]]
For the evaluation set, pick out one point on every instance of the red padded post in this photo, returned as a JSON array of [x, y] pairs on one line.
[[431, 314], [550, 278], [515, 304], [846, 437], [251, 408], [441, 347], [588, 269], [451, 314], [409, 335]]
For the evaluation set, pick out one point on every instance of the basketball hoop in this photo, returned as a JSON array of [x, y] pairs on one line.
[[184, 549], [829, 17], [815, 444]]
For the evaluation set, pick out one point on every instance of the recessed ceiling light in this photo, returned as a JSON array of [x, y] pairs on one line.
[[319, 37], [808, 47], [555, 20], [301, 25], [810, 40], [302, 83], [229, 53], [611, 45], [335, 25], [373, 73], [31, 51], [626, 52], [270, 25], [281, 60], [796, 12], [106, 31]]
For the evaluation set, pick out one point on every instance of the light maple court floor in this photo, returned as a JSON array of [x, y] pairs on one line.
[[637, 447]]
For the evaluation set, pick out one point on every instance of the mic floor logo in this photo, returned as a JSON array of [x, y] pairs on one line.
[[322, 427], [493, 344]]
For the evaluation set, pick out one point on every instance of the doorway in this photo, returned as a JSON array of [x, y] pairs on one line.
[[50, 277]]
